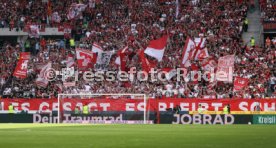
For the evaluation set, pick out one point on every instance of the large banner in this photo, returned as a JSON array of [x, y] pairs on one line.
[[22, 65], [44, 105], [225, 68]]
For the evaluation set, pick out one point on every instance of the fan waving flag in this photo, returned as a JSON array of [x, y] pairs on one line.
[[188, 52], [145, 63], [120, 60], [157, 47]]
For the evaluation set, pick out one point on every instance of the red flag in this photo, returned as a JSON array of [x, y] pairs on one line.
[[157, 47], [121, 59], [22, 65], [240, 83], [85, 59]]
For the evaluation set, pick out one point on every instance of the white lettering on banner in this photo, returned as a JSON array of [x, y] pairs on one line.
[[67, 106], [243, 105], [162, 106], [90, 105], [125, 105], [218, 120], [203, 119], [197, 119], [25, 106], [184, 106], [37, 118], [207, 119], [205, 106], [130, 106], [267, 108], [105, 106], [15, 105], [92, 119], [44, 104], [55, 107], [216, 106], [141, 106]]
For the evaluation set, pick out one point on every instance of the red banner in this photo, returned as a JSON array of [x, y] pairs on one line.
[[22, 65], [35, 105]]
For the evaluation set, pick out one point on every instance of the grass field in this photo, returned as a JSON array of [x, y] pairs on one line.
[[136, 136]]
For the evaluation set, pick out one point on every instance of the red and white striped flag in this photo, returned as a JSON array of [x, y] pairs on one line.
[[156, 48], [43, 77], [96, 48]]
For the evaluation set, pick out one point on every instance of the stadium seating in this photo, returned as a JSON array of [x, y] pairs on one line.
[[133, 24]]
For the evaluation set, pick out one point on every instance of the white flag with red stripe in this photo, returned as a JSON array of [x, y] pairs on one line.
[[96, 48], [188, 52], [157, 47], [44, 75]]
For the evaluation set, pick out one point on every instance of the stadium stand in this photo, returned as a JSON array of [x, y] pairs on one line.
[[133, 23]]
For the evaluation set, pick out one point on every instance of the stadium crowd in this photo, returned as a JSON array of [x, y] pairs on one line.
[[134, 24], [268, 10]]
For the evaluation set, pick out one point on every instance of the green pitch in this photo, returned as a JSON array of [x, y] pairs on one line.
[[136, 136]]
